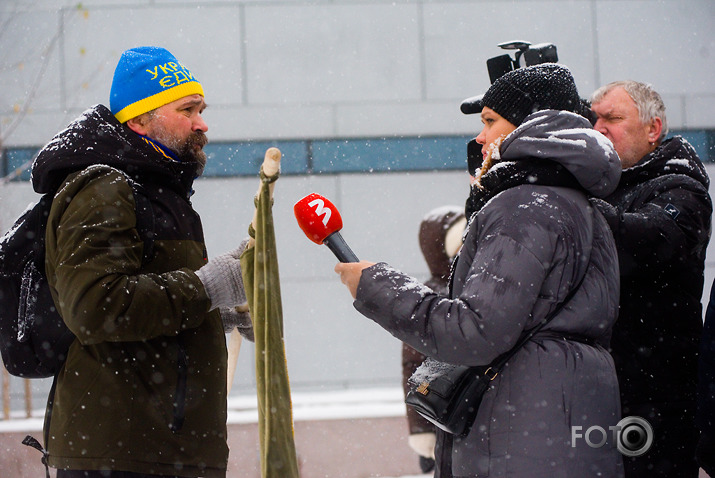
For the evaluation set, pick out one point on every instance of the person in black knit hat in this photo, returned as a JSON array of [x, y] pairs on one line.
[[521, 92], [532, 243]]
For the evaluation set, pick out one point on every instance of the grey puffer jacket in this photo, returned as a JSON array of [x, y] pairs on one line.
[[523, 251]]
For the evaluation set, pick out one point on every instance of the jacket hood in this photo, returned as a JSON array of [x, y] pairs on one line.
[[569, 140], [432, 235], [673, 156], [96, 137]]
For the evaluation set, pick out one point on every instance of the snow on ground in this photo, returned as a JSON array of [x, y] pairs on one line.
[[332, 405]]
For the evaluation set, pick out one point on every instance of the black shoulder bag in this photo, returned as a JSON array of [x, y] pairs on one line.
[[449, 395]]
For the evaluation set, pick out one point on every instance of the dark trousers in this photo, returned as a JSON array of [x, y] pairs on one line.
[[443, 455]]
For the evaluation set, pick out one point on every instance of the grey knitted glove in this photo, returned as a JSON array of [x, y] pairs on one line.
[[222, 279], [236, 318]]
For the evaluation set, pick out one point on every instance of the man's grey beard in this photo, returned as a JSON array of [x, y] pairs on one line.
[[189, 152]]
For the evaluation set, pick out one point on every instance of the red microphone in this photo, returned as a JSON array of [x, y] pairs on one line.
[[321, 222]]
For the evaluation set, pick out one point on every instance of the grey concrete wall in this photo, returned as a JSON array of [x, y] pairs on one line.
[[275, 69], [328, 344]]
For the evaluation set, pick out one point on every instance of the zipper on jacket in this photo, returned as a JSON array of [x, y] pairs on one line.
[[180, 395]]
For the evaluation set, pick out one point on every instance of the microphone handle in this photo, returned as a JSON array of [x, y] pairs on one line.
[[340, 248]]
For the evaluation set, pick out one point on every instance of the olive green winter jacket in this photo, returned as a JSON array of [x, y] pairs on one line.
[[144, 385]]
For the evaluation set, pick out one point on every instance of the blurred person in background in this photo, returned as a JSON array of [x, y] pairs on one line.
[[440, 237]]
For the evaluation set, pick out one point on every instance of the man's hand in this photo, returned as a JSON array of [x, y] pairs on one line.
[[350, 273]]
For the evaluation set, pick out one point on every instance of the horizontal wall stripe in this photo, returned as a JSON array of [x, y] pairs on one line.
[[332, 156]]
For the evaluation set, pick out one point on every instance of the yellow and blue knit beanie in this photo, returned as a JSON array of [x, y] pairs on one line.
[[146, 78]]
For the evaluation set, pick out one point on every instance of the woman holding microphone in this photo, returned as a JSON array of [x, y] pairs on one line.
[[532, 240]]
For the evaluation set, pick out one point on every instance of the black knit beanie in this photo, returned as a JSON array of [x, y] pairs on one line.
[[520, 92]]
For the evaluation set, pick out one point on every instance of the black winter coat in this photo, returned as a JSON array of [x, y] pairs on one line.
[[706, 390], [661, 224]]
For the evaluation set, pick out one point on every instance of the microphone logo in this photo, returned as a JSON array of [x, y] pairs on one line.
[[321, 222], [321, 210]]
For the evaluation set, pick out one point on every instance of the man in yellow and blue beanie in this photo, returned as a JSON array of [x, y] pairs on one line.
[[146, 78], [142, 390]]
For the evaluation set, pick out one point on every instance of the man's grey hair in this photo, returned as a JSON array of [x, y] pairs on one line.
[[649, 103]]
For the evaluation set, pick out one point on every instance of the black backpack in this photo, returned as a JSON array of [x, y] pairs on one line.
[[34, 339]]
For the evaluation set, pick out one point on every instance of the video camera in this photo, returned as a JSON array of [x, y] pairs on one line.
[[527, 55]]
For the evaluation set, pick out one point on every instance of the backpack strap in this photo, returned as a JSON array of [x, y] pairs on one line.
[[32, 441], [44, 211], [145, 227]]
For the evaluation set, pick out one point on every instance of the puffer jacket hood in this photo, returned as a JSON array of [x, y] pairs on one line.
[[433, 229], [96, 137], [569, 140]]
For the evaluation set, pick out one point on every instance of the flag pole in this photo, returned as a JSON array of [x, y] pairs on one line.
[[271, 166]]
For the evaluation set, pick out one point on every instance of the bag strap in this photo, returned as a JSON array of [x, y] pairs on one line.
[[496, 366]]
